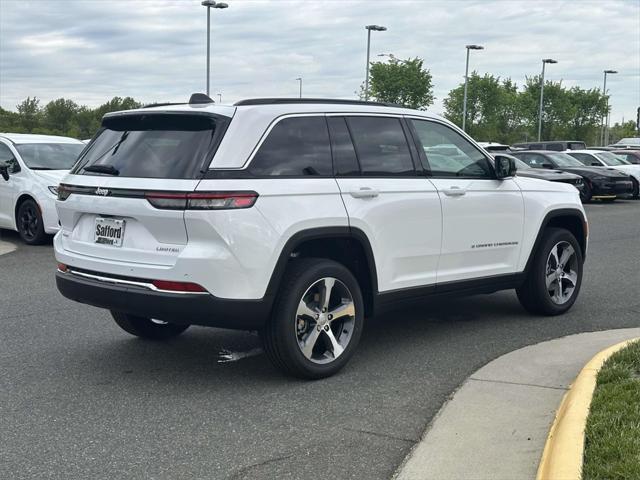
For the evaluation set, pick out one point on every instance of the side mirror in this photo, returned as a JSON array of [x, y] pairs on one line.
[[547, 165], [4, 171], [505, 166]]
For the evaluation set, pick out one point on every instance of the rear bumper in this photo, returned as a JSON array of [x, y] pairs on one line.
[[179, 308]]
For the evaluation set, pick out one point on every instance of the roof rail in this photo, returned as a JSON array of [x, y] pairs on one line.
[[151, 105], [284, 101]]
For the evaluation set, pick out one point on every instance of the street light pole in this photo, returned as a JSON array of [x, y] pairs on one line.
[[375, 28], [299, 79], [605, 120], [466, 81], [219, 97], [210, 4], [544, 62]]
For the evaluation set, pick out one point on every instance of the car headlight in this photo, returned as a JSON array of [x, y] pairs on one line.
[[53, 190]]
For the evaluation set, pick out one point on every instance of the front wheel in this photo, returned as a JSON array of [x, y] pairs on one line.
[[317, 319], [555, 276], [30, 224], [636, 189], [586, 193], [148, 328]]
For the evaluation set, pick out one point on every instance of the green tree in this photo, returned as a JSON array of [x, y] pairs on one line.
[[622, 130], [116, 104], [60, 116], [30, 113], [493, 112], [404, 82]]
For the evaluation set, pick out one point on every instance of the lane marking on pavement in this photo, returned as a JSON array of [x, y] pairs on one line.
[[228, 356], [563, 452], [6, 247]]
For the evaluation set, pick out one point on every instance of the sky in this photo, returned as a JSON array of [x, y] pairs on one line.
[[155, 50]]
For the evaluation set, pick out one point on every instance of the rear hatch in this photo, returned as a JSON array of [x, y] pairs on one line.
[[122, 200]]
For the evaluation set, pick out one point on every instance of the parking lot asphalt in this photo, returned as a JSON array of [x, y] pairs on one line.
[[79, 398]]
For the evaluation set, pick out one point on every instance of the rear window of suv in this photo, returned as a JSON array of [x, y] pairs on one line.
[[153, 145]]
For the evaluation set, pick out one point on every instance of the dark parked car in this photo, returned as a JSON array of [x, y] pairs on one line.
[[631, 156], [599, 183], [556, 146], [524, 170]]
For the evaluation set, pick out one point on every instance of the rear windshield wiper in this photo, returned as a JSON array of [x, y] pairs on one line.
[[108, 169]]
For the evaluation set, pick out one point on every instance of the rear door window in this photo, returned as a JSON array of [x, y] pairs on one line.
[[381, 146], [153, 145], [345, 161], [295, 146]]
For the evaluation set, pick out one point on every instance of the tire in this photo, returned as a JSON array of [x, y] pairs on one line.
[[534, 294], [301, 315], [146, 327], [636, 189], [586, 193], [29, 223]]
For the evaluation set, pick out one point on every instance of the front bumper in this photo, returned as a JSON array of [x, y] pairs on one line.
[[612, 189], [180, 308]]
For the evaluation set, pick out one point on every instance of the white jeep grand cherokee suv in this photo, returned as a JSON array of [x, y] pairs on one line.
[[299, 218]]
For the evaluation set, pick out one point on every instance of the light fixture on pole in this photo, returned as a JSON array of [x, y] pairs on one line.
[[466, 81], [219, 97], [210, 4], [605, 120], [369, 28], [299, 79], [544, 62]]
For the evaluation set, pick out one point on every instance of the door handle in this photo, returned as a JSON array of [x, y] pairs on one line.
[[364, 192], [454, 191]]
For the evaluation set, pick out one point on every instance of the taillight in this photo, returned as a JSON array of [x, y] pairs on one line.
[[201, 200], [62, 267], [178, 286]]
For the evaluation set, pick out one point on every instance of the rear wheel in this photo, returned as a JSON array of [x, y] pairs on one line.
[[29, 223], [148, 328], [555, 276], [317, 319]]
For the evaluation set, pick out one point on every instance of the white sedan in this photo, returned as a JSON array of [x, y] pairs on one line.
[[31, 167], [597, 158]]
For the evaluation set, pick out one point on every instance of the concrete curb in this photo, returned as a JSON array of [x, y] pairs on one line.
[[496, 425], [562, 457]]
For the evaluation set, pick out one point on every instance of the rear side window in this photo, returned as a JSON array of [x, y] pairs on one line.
[[381, 146], [345, 161], [175, 146], [296, 146]]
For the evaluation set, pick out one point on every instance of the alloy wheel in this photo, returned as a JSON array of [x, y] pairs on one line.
[[29, 222], [325, 320], [561, 277]]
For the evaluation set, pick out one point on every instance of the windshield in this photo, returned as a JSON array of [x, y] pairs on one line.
[[49, 156], [629, 141], [150, 146], [564, 160], [611, 159]]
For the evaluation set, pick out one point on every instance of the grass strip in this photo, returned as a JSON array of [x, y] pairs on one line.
[[612, 437]]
